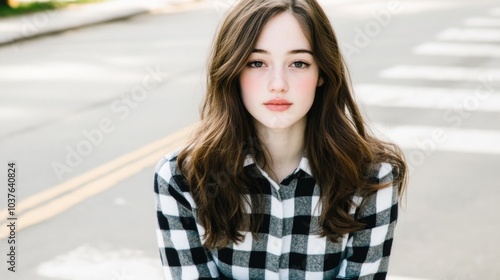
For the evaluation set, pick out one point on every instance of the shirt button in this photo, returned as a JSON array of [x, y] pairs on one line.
[[276, 243]]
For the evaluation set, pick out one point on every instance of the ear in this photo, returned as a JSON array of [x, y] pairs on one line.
[[320, 81]]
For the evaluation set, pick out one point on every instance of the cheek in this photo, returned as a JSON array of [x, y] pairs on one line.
[[307, 86], [249, 85], [246, 90], [250, 88]]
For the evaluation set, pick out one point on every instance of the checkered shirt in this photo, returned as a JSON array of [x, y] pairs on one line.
[[290, 247]]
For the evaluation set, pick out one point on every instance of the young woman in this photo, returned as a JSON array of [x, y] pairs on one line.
[[281, 179]]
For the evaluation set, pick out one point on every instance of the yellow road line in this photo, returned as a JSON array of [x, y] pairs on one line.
[[77, 181], [93, 182]]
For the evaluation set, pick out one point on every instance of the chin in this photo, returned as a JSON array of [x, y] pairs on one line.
[[278, 123]]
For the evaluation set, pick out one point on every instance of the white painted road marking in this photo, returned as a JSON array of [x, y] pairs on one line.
[[495, 12], [458, 49], [474, 141], [85, 263], [470, 141], [470, 34], [482, 22], [427, 97], [441, 73]]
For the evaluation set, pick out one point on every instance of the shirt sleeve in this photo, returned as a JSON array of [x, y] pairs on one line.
[[182, 253], [368, 250]]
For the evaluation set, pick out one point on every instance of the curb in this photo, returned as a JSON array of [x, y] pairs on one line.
[[83, 23], [22, 37]]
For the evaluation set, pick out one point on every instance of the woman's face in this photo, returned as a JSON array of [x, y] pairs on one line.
[[279, 81]]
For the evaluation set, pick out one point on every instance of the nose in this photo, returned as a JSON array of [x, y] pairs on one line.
[[278, 81]]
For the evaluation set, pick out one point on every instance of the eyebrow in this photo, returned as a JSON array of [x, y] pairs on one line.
[[290, 52]]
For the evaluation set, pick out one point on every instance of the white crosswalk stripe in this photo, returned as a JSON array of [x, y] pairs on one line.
[[482, 22], [442, 73], [477, 47], [495, 12], [483, 96], [482, 99], [434, 138], [458, 49], [470, 34], [86, 262]]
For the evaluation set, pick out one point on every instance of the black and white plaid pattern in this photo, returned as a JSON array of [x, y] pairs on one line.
[[288, 246]]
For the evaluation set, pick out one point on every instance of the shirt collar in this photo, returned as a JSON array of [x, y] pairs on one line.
[[303, 164]]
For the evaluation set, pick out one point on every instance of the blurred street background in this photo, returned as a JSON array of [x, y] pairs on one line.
[[92, 96]]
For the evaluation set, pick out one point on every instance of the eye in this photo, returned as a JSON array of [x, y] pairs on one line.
[[256, 64], [300, 64]]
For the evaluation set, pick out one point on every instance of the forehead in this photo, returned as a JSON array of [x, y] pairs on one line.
[[284, 32]]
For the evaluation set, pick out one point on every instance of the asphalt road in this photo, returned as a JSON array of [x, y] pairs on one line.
[[86, 114]]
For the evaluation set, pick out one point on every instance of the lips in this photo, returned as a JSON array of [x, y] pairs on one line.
[[278, 105]]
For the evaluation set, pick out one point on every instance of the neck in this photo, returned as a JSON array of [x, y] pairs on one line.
[[285, 147]]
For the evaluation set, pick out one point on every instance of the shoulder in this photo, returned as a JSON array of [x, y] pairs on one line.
[[380, 173], [168, 177], [384, 199], [167, 165]]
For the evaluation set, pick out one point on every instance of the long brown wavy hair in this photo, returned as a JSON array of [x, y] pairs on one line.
[[339, 148]]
